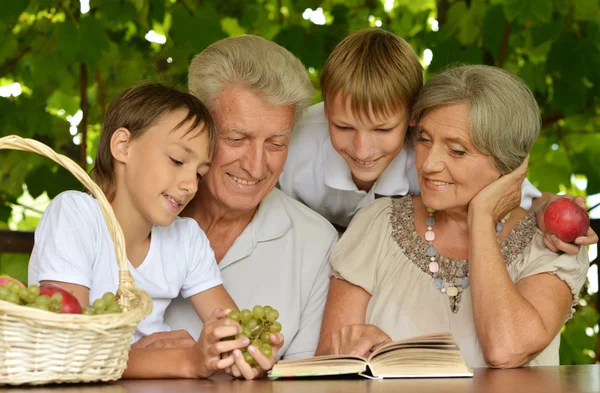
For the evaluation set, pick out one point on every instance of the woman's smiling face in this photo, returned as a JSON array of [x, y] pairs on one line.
[[450, 168]]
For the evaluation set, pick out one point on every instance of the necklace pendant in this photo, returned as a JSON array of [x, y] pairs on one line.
[[452, 291], [434, 267]]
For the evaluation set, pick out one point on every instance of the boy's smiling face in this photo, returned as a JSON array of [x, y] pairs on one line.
[[368, 143], [162, 168]]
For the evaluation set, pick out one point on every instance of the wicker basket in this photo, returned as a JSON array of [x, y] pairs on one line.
[[38, 347]]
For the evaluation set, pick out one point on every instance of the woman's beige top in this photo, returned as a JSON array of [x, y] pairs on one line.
[[382, 253]]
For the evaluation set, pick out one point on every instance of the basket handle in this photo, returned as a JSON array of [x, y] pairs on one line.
[[14, 142]]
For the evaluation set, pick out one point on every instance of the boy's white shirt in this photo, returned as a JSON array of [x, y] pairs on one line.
[[317, 175], [73, 245]]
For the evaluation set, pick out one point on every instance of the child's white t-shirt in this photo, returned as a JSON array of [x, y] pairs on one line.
[[73, 245]]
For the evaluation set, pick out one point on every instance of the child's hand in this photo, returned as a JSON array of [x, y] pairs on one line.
[[206, 354], [241, 368]]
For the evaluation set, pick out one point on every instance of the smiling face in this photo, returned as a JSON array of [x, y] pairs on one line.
[[252, 146], [162, 167], [451, 169], [368, 144]]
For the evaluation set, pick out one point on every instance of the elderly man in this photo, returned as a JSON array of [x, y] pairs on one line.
[[271, 249]]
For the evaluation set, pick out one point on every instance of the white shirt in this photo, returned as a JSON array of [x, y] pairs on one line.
[[73, 245], [281, 259], [317, 175]]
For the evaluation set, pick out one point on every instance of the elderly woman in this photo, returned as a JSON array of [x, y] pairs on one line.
[[462, 256]]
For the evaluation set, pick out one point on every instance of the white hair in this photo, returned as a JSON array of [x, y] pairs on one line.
[[504, 115], [268, 69]]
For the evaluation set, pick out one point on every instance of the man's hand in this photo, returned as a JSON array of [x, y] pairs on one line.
[[174, 339]]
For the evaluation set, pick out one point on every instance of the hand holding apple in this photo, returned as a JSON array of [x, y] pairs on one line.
[[565, 219]]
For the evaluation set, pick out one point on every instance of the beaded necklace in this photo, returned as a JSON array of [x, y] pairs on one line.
[[460, 280]]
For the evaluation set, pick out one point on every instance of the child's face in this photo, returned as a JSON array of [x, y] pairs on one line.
[[367, 144], [163, 167]]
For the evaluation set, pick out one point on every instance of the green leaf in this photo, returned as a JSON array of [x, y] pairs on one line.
[[547, 32], [535, 76], [157, 11], [301, 5], [587, 10], [548, 168], [15, 266], [115, 12], [493, 30], [536, 11], [231, 27], [68, 41], [451, 52], [309, 48], [11, 9], [8, 47], [93, 40], [61, 100]]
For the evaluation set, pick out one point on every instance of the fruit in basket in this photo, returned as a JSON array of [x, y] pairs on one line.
[[105, 305], [566, 219], [29, 297], [69, 303], [257, 325], [5, 279]]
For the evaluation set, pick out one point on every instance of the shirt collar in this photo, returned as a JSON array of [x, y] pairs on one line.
[[393, 181], [337, 172], [270, 222]]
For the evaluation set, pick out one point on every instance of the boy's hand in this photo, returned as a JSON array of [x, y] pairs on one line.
[[552, 241], [205, 355], [241, 368]]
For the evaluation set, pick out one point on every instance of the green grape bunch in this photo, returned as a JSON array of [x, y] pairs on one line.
[[30, 297], [105, 305], [257, 325]]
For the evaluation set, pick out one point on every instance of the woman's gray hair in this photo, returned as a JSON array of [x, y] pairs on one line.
[[505, 119], [268, 69]]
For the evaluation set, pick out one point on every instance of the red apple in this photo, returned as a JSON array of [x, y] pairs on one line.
[[566, 219], [70, 304], [5, 279]]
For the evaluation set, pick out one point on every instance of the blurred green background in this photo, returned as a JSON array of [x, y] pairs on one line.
[[61, 62]]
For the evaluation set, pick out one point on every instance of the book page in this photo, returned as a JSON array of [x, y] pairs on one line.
[[441, 340]]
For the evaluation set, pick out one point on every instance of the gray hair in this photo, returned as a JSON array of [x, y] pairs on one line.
[[505, 118], [268, 69]]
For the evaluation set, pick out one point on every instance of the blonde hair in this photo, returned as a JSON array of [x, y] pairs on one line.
[[378, 70], [504, 116], [266, 68]]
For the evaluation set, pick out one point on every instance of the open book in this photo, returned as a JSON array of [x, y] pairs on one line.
[[431, 356]]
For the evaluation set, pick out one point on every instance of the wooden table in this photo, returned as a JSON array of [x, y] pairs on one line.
[[572, 379]]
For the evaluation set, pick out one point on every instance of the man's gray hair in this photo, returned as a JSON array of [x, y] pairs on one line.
[[266, 68], [505, 118]]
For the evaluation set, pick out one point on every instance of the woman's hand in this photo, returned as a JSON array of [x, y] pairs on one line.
[[174, 339], [205, 355], [357, 340], [241, 368], [502, 196], [552, 241]]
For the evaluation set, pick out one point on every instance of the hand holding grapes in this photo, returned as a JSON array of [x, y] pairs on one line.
[[261, 326], [206, 354]]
